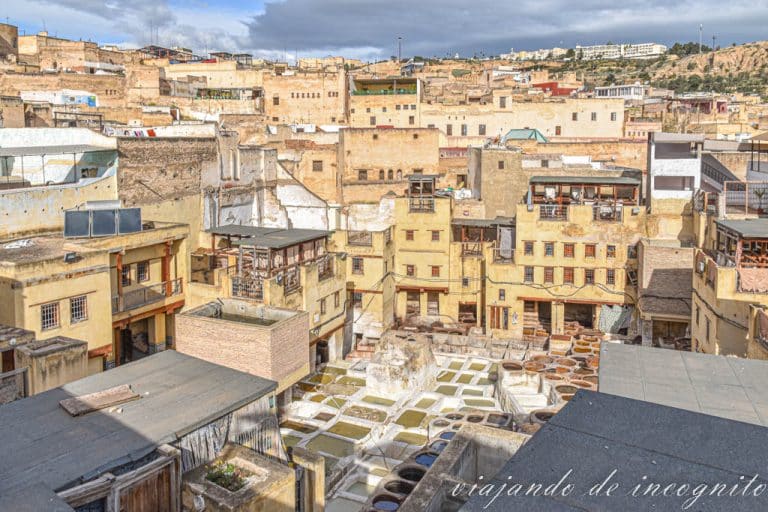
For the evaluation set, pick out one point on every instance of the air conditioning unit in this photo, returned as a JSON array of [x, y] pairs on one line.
[[700, 267], [279, 278]]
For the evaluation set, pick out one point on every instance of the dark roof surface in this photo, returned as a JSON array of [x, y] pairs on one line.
[[596, 180], [596, 434], [43, 443], [282, 238], [747, 228], [36, 498], [729, 387]]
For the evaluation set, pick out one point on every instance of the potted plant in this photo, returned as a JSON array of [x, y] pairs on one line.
[[226, 475]]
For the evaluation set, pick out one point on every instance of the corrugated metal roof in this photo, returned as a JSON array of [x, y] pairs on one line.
[[179, 393]]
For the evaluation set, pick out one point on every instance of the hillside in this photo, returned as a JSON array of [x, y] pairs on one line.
[[741, 68]]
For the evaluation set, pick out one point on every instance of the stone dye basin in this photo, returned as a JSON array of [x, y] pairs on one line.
[[465, 378], [425, 403], [291, 440], [361, 489], [377, 400], [323, 416], [298, 427], [447, 390], [411, 438], [446, 376], [477, 366], [366, 413], [335, 370], [411, 418], [318, 398], [351, 381], [456, 365], [335, 402], [472, 392], [350, 430], [323, 378], [331, 445], [477, 402]]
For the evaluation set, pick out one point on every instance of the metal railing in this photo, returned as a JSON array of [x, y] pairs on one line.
[[363, 238], [421, 204], [145, 295], [292, 279], [553, 212], [471, 248], [607, 212], [324, 268], [248, 287]]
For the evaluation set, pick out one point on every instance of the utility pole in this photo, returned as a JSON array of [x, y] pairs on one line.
[[701, 27], [713, 41]]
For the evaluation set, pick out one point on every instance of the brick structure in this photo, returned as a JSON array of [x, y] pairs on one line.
[[268, 342]]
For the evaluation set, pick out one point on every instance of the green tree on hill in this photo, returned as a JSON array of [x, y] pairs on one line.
[[690, 48]]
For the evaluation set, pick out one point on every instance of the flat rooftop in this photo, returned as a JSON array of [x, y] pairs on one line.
[[280, 238], [596, 434], [728, 387], [746, 228], [52, 150], [242, 311], [52, 246], [179, 393]]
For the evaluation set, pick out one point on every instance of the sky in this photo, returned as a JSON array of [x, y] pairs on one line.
[[368, 29]]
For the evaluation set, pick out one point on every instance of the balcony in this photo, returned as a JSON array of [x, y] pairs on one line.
[[324, 268], [421, 204], [146, 295], [607, 213], [292, 279], [471, 249], [554, 212], [503, 257], [248, 287], [360, 238]]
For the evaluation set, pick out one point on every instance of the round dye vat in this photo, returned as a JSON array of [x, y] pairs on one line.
[[400, 487], [447, 435], [385, 504], [426, 459], [438, 446], [412, 473]]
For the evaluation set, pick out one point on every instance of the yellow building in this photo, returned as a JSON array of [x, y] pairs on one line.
[[370, 259], [117, 292], [730, 283], [575, 252]]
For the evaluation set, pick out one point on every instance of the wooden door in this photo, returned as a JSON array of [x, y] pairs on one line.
[[152, 494]]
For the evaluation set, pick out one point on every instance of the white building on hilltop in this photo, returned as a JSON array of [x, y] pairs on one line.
[[621, 51]]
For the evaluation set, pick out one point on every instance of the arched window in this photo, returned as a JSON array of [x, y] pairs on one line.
[[381, 175], [390, 175], [399, 174]]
